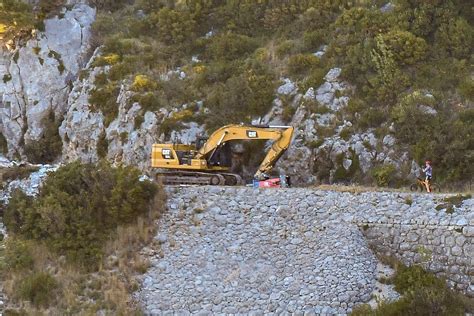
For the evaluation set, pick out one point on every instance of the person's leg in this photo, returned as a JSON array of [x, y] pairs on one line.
[[427, 184]]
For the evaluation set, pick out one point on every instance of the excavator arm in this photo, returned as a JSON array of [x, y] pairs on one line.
[[282, 136], [277, 149]]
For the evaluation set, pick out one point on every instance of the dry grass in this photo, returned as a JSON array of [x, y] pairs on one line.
[[19, 172], [107, 290]]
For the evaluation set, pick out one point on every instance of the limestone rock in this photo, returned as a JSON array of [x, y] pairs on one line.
[[333, 74], [82, 126], [41, 75], [288, 88]]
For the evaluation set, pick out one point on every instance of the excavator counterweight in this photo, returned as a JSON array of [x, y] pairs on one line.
[[207, 163]]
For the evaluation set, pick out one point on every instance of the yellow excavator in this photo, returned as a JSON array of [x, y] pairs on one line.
[[207, 161]]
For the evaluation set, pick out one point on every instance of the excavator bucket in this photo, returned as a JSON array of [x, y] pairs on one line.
[[281, 182]]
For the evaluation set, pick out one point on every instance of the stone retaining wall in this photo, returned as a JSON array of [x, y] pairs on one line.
[[446, 250], [245, 250]]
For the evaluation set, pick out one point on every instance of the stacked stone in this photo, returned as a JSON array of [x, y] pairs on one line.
[[252, 251], [419, 234]]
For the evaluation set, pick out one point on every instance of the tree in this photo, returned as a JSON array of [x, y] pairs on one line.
[[48, 148], [455, 39]]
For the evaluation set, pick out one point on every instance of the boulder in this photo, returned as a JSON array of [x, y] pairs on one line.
[[288, 88]]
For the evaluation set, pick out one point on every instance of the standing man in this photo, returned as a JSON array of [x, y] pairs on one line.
[[428, 170]]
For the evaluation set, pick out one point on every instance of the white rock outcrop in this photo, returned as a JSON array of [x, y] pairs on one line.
[[82, 126], [126, 143], [36, 78]]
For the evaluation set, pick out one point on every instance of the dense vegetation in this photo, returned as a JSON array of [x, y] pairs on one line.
[[410, 63], [78, 208], [422, 294], [74, 248]]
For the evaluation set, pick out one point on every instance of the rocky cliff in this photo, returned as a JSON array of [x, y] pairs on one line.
[[37, 77]]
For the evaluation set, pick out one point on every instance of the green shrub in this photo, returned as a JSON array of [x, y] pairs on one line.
[[49, 8], [346, 133], [3, 144], [384, 175], [279, 16], [302, 64], [319, 15], [288, 112], [343, 175], [455, 39], [407, 279], [241, 98], [169, 125], [18, 255], [171, 26], [313, 40], [231, 46], [123, 137], [371, 117], [49, 147], [105, 100], [456, 200], [102, 145], [314, 106], [78, 207], [38, 288], [314, 79], [407, 49], [109, 5], [423, 294], [148, 101], [7, 78], [15, 17], [286, 48], [138, 121]]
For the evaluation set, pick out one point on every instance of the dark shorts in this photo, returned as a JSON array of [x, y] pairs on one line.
[[428, 178]]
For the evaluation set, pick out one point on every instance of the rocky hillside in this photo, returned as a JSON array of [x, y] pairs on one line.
[[373, 88]]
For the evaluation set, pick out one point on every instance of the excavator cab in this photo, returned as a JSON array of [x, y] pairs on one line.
[[200, 141]]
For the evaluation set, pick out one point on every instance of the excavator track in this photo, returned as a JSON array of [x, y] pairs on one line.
[[198, 178]]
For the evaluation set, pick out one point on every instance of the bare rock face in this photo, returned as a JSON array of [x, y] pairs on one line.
[[125, 141], [81, 127], [128, 139], [37, 77]]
